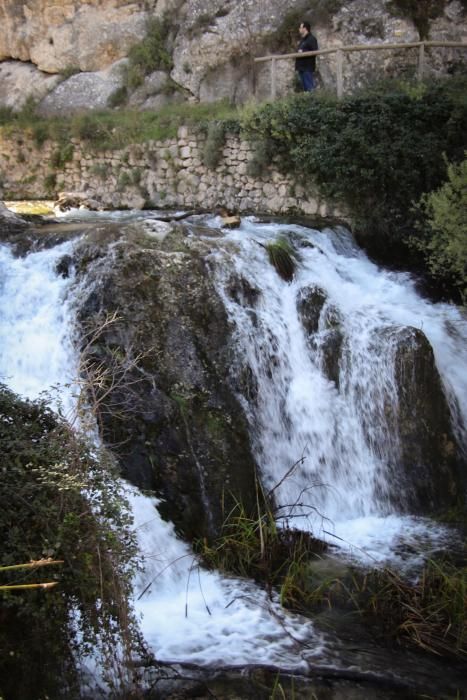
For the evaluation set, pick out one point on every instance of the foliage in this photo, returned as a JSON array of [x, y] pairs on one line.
[[69, 71], [430, 613], [107, 130], [254, 546], [375, 152], [149, 55], [443, 238], [50, 182], [215, 139], [59, 499], [281, 255], [118, 97], [62, 156]]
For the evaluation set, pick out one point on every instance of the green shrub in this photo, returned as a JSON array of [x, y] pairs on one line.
[[262, 156], [68, 71], [40, 133], [50, 182], [215, 140], [90, 128], [149, 55], [429, 613], [117, 129], [375, 152], [254, 546], [443, 239], [62, 156], [6, 115], [281, 255], [59, 500], [101, 170]]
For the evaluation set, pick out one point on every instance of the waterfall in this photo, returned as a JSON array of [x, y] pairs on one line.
[[332, 422], [187, 614], [337, 430], [36, 352]]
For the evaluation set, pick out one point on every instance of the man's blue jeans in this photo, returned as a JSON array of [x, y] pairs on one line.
[[307, 80]]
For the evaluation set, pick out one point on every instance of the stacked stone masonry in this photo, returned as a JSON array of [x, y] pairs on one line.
[[154, 174]]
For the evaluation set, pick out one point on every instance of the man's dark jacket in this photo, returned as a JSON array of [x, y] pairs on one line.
[[308, 43]]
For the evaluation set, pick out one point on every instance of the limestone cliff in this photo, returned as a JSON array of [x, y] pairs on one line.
[[212, 42]]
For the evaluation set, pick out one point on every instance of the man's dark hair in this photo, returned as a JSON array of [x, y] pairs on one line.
[[307, 26]]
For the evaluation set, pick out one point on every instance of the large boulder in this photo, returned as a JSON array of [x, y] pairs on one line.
[[169, 413], [22, 81], [322, 325], [83, 91], [11, 225], [429, 475]]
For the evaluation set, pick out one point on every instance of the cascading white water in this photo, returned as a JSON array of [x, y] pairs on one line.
[[192, 615], [36, 352], [186, 614], [341, 432]]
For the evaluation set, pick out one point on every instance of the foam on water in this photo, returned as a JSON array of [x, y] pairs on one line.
[[199, 616], [189, 614], [338, 435], [242, 625], [36, 352]]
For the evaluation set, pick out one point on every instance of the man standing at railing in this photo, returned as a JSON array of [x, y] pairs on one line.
[[305, 67]]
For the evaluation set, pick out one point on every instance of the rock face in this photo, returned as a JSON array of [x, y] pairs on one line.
[[423, 457], [213, 43], [172, 419], [10, 223], [83, 91], [322, 325], [88, 35], [432, 472], [18, 81]]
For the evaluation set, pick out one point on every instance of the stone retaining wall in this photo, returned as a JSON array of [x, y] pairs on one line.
[[156, 174]]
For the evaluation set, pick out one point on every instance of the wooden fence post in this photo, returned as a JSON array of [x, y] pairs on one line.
[[273, 79], [421, 60], [340, 73]]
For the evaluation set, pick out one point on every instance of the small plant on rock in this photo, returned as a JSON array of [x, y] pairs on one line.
[[282, 256]]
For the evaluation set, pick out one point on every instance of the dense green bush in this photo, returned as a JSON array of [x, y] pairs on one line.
[[149, 55], [215, 140], [375, 153], [59, 500], [443, 237]]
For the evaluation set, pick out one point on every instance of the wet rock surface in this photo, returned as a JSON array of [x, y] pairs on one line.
[[323, 329], [173, 421], [430, 459]]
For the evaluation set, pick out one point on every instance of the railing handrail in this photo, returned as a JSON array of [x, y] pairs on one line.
[[363, 47], [341, 50]]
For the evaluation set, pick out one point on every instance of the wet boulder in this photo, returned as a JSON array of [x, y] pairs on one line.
[[431, 475], [322, 325], [310, 303], [168, 411]]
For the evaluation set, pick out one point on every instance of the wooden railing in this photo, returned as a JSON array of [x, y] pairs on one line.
[[341, 50]]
